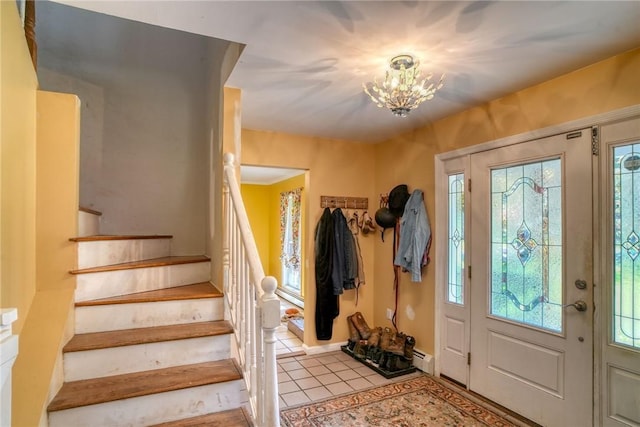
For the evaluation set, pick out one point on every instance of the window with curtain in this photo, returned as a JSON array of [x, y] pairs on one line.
[[290, 228]]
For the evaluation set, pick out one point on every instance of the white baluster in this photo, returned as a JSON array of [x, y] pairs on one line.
[[250, 300]]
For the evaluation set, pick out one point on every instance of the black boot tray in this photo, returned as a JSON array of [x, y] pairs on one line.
[[377, 368]]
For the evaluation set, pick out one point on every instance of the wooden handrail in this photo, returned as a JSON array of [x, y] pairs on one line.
[[30, 30]]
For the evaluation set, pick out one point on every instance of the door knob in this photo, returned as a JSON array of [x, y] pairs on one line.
[[578, 305]]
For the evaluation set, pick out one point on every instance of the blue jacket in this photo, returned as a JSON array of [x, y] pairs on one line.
[[415, 235]]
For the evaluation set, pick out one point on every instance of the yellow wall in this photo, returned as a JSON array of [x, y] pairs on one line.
[[18, 172], [344, 168], [263, 209], [38, 215], [336, 168], [256, 202], [602, 87], [47, 325]]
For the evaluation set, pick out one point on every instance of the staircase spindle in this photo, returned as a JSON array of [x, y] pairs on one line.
[[252, 307]]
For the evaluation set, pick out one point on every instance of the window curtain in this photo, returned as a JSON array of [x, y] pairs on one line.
[[290, 202]]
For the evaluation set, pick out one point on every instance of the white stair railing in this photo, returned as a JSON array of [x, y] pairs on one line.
[[250, 304]]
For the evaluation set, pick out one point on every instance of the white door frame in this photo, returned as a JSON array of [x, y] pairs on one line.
[[441, 197]]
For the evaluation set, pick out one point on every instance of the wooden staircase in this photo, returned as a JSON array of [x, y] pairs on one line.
[[151, 345]]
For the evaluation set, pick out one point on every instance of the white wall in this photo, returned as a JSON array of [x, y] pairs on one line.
[[145, 132]]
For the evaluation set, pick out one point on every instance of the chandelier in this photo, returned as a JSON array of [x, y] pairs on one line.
[[402, 89]]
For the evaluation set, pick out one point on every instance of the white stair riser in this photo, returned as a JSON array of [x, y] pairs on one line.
[[80, 365], [154, 409], [113, 317], [88, 224], [121, 282], [108, 252]]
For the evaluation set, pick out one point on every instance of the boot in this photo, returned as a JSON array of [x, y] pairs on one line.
[[360, 350], [397, 344], [409, 344], [385, 339], [402, 363], [374, 339], [375, 354], [354, 336], [361, 325], [390, 361]]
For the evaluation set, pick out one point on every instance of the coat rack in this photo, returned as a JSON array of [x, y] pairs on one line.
[[344, 202]]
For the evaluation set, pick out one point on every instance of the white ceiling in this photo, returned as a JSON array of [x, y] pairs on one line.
[[261, 175], [304, 62]]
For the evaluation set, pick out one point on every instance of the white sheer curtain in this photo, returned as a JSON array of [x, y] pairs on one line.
[[290, 228]]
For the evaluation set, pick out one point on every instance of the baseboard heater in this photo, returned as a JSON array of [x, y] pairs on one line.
[[423, 361]]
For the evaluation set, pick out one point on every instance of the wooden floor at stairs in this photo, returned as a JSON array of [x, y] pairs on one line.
[[232, 418], [155, 262], [110, 339], [107, 389], [115, 358], [195, 291]]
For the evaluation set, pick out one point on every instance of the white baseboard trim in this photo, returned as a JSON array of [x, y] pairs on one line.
[[317, 349]]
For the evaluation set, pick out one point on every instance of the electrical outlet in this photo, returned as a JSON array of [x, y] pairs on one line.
[[389, 314]]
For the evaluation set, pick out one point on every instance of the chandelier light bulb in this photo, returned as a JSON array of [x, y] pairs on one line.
[[402, 89]]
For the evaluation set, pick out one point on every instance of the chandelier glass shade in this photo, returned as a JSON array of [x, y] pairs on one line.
[[402, 89]]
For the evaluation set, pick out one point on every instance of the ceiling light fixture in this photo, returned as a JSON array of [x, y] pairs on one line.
[[402, 89]]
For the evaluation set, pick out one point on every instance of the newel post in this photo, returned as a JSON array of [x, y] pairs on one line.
[[270, 321]]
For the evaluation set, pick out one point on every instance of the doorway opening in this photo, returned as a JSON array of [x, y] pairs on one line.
[[275, 199]]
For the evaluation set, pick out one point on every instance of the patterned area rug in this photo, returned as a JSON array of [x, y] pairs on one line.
[[420, 401]]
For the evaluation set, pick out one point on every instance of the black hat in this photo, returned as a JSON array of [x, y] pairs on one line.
[[397, 199]]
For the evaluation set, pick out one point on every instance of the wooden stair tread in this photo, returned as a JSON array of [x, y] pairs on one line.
[[155, 262], [194, 291], [99, 390], [89, 210], [108, 339], [104, 237], [237, 417]]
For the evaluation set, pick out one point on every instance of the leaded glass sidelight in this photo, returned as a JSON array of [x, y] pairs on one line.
[[526, 244], [455, 292], [626, 245]]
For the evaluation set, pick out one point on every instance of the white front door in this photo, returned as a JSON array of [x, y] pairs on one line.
[[531, 284]]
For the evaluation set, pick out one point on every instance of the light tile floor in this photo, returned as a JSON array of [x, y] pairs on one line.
[[309, 378], [288, 342]]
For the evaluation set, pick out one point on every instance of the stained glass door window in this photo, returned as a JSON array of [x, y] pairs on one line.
[[626, 232], [455, 286], [526, 244]]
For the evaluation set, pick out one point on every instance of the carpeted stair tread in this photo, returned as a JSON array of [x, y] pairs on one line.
[[104, 237], [99, 390], [194, 291], [108, 339], [237, 417], [155, 262]]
